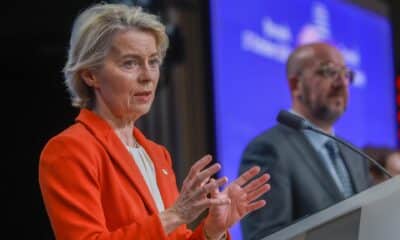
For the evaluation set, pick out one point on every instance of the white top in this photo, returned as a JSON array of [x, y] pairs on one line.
[[146, 167]]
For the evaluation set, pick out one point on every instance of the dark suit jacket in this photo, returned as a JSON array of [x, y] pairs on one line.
[[300, 182]]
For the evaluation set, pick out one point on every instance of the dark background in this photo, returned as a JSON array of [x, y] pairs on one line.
[[34, 40], [34, 36]]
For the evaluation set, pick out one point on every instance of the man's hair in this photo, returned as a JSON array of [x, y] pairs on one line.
[[298, 59], [302, 56]]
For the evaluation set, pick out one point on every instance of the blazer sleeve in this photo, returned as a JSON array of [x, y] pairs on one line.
[[278, 211], [70, 187]]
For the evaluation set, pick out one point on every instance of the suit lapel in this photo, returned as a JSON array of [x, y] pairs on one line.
[[355, 167], [311, 158], [118, 154]]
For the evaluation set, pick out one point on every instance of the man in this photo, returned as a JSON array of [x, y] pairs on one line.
[[389, 158], [308, 172]]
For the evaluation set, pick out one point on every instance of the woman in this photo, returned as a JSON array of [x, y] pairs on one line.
[[101, 178]]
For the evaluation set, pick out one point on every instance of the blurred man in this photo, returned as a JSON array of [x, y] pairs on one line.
[[308, 171], [388, 157]]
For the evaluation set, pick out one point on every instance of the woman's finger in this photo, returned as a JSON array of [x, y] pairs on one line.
[[255, 205], [206, 174], [256, 183], [199, 179], [205, 181], [190, 181], [209, 187], [199, 165], [214, 192], [208, 202], [258, 192], [247, 176]]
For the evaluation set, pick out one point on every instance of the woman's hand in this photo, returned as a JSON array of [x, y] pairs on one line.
[[193, 199], [242, 195]]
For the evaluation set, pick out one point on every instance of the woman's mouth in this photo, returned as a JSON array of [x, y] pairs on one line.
[[144, 96]]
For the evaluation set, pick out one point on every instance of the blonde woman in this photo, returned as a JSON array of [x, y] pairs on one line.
[[101, 178]]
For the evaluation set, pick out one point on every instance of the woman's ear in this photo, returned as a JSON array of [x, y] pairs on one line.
[[89, 78]]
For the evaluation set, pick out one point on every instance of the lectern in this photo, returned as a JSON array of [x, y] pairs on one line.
[[373, 214]]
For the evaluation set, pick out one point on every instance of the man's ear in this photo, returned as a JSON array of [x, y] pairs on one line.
[[89, 78], [295, 85]]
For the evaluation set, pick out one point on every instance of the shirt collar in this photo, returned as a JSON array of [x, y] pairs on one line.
[[316, 139]]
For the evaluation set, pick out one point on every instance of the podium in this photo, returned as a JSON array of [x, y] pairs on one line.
[[373, 214]]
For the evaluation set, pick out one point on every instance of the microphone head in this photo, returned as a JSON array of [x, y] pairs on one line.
[[292, 120]]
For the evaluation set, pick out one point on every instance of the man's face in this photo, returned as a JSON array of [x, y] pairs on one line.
[[324, 85], [393, 164]]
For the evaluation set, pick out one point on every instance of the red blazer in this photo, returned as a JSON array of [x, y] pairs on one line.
[[92, 188]]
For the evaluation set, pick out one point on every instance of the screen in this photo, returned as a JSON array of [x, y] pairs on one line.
[[251, 41]]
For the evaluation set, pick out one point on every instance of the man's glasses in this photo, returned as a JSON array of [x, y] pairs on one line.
[[331, 72]]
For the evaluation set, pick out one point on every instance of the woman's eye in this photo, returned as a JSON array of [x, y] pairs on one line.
[[155, 62], [130, 63]]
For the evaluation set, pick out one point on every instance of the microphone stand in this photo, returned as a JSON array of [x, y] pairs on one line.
[[308, 127]]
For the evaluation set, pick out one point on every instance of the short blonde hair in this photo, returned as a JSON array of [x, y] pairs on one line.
[[91, 39]]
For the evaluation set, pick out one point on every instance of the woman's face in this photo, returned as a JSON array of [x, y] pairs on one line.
[[125, 84]]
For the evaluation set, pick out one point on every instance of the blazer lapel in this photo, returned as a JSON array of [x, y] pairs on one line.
[[311, 158], [118, 154], [355, 167], [162, 169]]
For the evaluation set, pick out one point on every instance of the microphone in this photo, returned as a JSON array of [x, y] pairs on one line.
[[298, 123]]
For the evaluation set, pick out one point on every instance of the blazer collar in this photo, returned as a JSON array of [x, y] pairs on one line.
[[121, 157]]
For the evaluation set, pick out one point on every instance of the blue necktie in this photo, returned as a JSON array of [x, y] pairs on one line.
[[340, 167]]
